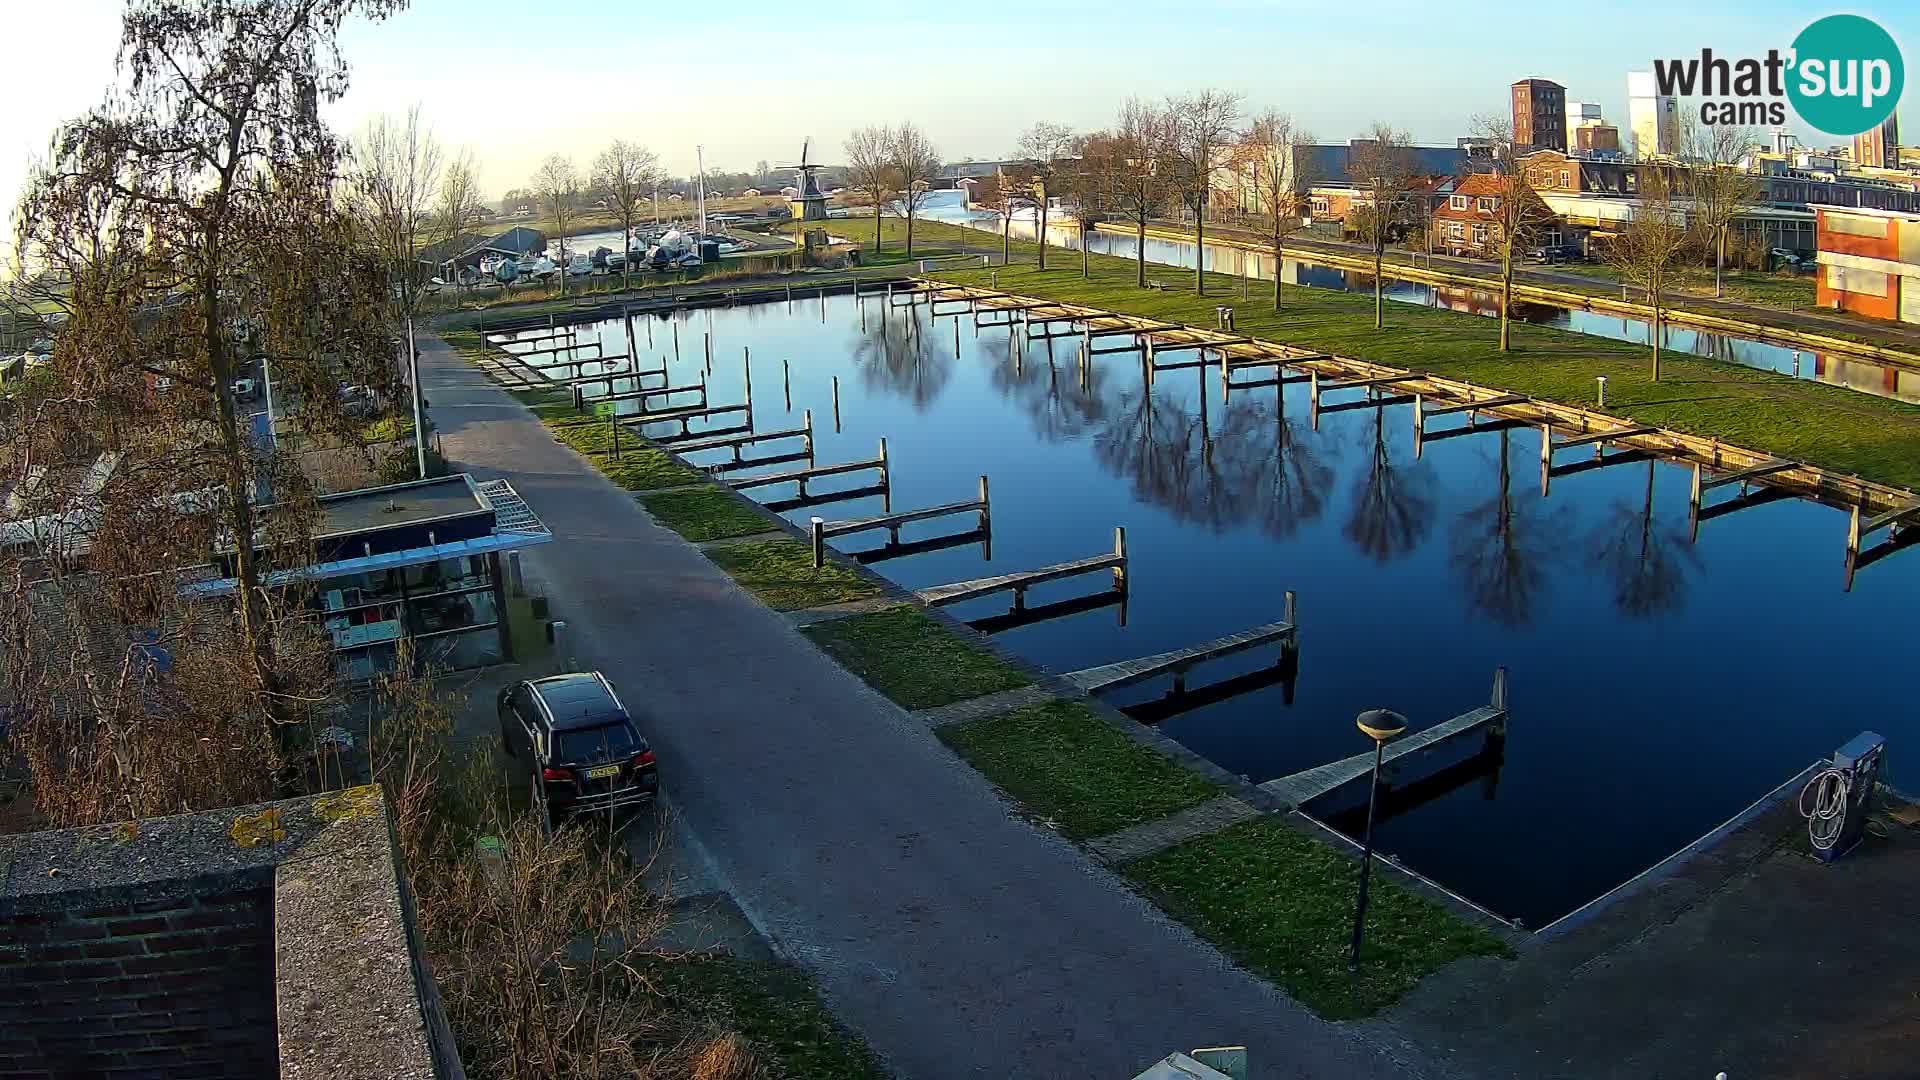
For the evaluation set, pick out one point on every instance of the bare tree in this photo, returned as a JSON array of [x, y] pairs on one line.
[[626, 172], [1518, 215], [1084, 183], [1643, 249], [870, 170], [1281, 174], [1044, 145], [1722, 189], [915, 165], [1133, 167], [558, 185], [195, 220], [1381, 168], [1199, 127], [459, 211]]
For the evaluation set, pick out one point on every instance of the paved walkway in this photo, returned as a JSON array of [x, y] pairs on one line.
[[958, 939]]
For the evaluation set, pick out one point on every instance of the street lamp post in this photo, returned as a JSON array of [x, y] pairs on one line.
[[1378, 725]]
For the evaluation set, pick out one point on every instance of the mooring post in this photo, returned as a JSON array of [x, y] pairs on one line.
[[986, 507], [836, 404], [613, 421], [707, 340], [1289, 602], [1853, 534], [1693, 506], [806, 425], [786, 382], [1499, 701], [818, 527], [1419, 422], [789, 296], [1546, 457], [1120, 549], [676, 342], [746, 375], [579, 403], [886, 480], [1602, 399]]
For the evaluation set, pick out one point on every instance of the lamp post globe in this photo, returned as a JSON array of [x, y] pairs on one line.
[[1378, 725]]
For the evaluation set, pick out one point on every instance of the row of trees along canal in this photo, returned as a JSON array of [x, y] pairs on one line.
[[1160, 156], [200, 218]]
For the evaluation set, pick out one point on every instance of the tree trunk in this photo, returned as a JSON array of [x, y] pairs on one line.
[[1042, 235], [1006, 234], [876, 223], [1506, 292], [1279, 260], [1379, 309], [1200, 250], [1086, 257], [1140, 251], [1719, 257], [909, 227], [1655, 337]]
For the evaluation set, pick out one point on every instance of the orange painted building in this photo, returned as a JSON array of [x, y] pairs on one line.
[[1869, 262]]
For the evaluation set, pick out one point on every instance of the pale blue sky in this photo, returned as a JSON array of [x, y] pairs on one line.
[[515, 80]]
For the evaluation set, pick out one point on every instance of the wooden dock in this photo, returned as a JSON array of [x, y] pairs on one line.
[[822, 530], [685, 417], [801, 477], [1178, 662], [737, 444], [1019, 582], [1309, 784]]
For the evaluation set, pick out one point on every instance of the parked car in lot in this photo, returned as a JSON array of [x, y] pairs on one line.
[[1789, 259], [583, 753], [1554, 253]]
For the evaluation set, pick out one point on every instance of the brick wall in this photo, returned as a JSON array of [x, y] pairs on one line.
[[168, 989]]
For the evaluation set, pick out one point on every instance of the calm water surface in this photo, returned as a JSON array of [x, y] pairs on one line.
[[1657, 685]]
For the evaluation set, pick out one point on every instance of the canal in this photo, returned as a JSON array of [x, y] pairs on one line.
[[1658, 685], [1867, 376]]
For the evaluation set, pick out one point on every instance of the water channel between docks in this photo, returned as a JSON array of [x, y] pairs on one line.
[[1659, 683]]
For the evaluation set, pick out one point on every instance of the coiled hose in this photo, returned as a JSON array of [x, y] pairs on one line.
[[1830, 788]]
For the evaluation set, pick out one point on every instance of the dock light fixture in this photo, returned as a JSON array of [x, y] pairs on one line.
[[1602, 379], [1378, 725]]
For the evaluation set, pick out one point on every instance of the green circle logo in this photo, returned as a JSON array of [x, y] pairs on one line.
[[1847, 74]]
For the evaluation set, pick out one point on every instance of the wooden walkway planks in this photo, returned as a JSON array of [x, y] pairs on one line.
[[1018, 583], [1594, 437], [1309, 784], [1176, 661]]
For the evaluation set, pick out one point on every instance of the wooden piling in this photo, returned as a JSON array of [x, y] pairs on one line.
[[986, 506], [807, 424], [818, 527], [676, 342], [707, 338], [613, 421], [746, 375], [1120, 552], [786, 382], [836, 404]]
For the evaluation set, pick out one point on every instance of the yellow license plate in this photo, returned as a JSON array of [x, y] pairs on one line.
[[603, 772]]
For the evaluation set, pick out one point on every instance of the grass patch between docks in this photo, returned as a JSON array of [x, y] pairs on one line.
[[914, 660], [1281, 903], [781, 573], [704, 514], [1068, 766], [774, 1007]]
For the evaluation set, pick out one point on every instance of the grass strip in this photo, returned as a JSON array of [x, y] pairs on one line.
[[1281, 903], [781, 573], [704, 514], [914, 660], [773, 1007], [1827, 425], [1069, 767]]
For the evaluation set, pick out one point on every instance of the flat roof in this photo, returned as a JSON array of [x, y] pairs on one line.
[[414, 503], [1864, 211]]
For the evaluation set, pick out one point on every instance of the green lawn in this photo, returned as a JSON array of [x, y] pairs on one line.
[[914, 660], [704, 514], [1828, 425], [781, 573], [1281, 903], [1068, 767], [772, 1006]]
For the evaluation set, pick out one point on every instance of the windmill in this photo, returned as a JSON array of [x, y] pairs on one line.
[[811, 205]]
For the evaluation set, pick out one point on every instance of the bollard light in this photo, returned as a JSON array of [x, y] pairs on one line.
[[1602, 379], [1378, 725]]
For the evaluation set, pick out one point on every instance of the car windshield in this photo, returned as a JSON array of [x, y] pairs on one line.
[[602, 743]]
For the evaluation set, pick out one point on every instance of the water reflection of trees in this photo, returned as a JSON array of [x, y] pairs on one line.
[[1224, 466], [1392, 504], [900, 356], [1648, 562], [1503, 546], [1047, 388]]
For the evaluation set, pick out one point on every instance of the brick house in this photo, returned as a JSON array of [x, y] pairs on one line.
[[1869, 262], [1463, 221]]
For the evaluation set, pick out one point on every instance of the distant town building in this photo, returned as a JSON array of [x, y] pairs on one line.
[[1463, 221], [1539, 114], [1869, 262], [1879, 147], [1596, 140], [1579, 115], [1653, 118]]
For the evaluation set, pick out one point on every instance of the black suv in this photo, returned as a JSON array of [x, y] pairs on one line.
[[587, 757]]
